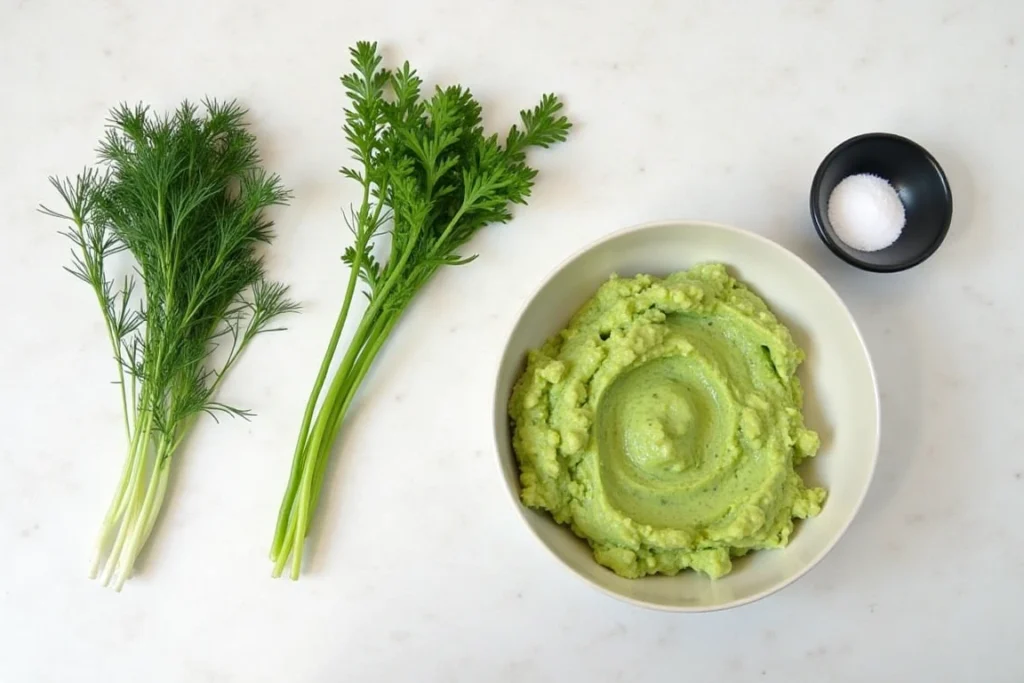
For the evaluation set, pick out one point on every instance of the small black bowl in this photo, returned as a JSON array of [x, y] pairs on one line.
[[916, 177]]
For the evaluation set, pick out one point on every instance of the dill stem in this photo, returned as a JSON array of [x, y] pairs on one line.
[[97, 280], [286, 545], [120, 378], [158, 503], [132, 500], [115, 505], [146, 515], [137, 457]]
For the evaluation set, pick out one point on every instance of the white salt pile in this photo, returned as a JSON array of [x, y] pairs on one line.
[[865, 212]]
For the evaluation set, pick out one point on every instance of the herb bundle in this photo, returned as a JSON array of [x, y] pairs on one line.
[[185, 195], [431, 178]]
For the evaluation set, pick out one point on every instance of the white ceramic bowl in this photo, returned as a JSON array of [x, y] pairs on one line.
[[841, 401]]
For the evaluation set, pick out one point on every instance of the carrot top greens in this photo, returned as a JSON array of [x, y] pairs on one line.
[[431, 178]]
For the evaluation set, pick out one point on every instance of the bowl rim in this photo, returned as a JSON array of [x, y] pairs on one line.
[[844, 254], [500, 405]]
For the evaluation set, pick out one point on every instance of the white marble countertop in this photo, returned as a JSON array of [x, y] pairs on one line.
[[421, 570]]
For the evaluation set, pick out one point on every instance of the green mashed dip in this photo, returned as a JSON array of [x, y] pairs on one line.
[[664, 423]]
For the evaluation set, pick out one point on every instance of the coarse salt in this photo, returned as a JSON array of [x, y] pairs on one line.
[[865, 212]]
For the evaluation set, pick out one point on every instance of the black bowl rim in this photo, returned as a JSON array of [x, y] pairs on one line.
[[843, 253]]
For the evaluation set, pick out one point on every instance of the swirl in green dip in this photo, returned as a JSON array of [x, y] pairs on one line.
[[664, 423]]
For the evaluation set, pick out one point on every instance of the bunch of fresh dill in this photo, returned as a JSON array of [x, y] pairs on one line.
[[184, 194]]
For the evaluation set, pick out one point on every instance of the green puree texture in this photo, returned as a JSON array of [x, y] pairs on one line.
[[664, 423]]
